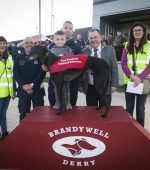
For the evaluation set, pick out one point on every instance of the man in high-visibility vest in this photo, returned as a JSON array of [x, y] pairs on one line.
[[6, 84]]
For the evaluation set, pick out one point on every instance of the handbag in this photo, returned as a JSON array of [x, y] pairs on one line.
[[146, 88]]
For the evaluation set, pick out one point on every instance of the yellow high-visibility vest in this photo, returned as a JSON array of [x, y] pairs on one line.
[[6, 78], [141, 59]]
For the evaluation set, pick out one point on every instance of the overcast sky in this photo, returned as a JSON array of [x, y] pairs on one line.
[[19, 18]]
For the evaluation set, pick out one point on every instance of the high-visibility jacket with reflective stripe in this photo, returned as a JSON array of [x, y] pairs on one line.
[[141, 59], [6, 78]]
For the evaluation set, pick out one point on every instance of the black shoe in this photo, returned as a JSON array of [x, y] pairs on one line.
[[3, 136]]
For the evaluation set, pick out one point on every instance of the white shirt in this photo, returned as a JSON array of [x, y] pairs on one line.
[[98, 51], [91, 81]]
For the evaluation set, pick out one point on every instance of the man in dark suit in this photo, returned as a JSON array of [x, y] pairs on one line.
[[97, 49]]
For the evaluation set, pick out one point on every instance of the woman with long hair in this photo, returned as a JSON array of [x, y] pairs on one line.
[[136, 67], [6, 84]]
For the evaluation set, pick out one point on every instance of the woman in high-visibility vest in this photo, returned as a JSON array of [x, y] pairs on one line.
[[135, 63], [6, 84]]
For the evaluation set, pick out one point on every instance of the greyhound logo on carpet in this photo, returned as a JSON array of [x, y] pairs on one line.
[[79, 150], [79, 147]]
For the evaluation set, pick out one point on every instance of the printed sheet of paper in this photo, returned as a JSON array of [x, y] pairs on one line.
[[131, 88]]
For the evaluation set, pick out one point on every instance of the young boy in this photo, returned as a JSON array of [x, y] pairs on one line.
[[60, 49], [67, 28]]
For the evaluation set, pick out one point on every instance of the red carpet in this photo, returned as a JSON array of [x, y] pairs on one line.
[[76, 140], [78, 114]]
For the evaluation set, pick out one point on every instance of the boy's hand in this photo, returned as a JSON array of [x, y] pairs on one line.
[[44, 68]]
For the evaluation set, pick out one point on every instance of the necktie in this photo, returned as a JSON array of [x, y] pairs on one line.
[[95, 52]]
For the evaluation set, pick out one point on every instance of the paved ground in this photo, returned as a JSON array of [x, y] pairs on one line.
[[117, 100]]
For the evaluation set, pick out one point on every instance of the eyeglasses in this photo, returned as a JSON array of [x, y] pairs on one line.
[[138, 30]]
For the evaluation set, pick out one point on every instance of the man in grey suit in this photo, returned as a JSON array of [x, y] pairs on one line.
[[97, 49]]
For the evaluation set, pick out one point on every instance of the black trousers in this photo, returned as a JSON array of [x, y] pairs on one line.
[[92, 96], [73, 92], [25, 99], [138, 100]]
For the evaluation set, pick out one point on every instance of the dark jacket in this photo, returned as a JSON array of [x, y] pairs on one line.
[[108, 54], [81, 43], [28, 71]]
